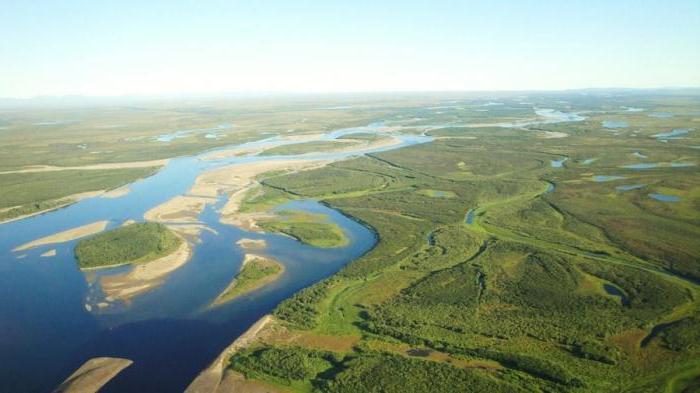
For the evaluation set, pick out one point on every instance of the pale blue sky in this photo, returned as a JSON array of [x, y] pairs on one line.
[[164, 47]]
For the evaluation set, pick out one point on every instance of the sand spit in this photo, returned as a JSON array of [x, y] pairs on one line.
[[95, 167], [144, 276], [93, 375], [117, 192], [50, 253], [65, 236], [212, 379], [248, 244], [181, 208]]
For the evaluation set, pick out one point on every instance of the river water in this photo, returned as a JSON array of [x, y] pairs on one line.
[[169, 332]]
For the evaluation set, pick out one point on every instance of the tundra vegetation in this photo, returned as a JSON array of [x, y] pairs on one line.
[[558, 283], [133, 243]]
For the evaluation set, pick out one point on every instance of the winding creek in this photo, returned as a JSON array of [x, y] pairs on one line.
[[51, 324]]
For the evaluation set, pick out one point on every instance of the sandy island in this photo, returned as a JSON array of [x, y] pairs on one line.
[[65, 236], [50, 253], [216, 378], [248, 244], [144, 276], [93, 375]]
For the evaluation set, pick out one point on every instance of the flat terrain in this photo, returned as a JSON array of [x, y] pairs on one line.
[[509, 260], [540, 242]]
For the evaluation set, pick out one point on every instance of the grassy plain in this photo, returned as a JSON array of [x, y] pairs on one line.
[[557, 284], [255, 273]]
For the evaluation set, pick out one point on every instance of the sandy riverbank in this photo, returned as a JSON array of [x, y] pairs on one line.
[[144, 276], [94, 167], [216, 379], [65, 236], [93, 375]]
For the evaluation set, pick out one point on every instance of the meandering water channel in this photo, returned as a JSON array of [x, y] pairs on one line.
[[169, 332]]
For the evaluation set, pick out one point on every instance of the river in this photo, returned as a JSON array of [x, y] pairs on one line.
[[169, 332]]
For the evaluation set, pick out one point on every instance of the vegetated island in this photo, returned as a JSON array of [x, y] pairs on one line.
[[134, 243], [309, 228], [256, 272]]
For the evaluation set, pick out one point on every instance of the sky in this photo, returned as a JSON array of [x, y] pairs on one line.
[[112, 48]]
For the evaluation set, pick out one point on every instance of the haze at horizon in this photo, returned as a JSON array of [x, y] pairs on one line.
[[81, 47]]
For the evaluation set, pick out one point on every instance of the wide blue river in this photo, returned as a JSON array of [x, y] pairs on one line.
[[46, 331]]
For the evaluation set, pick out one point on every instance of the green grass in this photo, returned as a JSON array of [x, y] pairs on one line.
[[312, 229], [303, 148], [255, 274], [27, 193], [521, 287], [134, 243]]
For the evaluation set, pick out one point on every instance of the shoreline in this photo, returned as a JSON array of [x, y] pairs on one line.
[[65, 236], [209, 379]]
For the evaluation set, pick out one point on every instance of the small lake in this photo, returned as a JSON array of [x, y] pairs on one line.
[[665, 198], [605, 178], [169, 332], [630, 187], [558, 163], [615, 124], [469, 217], [672, 134], [650, 165], [615, 291], [588, 161]]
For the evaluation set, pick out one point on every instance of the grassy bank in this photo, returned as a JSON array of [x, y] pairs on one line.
[[312, 229]]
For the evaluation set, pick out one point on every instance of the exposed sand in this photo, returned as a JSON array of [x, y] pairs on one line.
[[68, 235], [181, 208], [50, 253], [210, 380], [245, 151], [242, 177], [93, 375], [95, 167], [248, 244], [117, 192], [551, 134], [144, 276]]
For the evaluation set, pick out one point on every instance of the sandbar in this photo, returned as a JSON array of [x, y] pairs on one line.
[[93, 375], [144, 276], [95, 167], [65, 236]]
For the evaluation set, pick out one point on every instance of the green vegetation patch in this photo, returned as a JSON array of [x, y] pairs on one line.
[[437, 193], [312, 229], [134, 243], [256, 273], [27, 193], [321, 371], [303, 148]]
